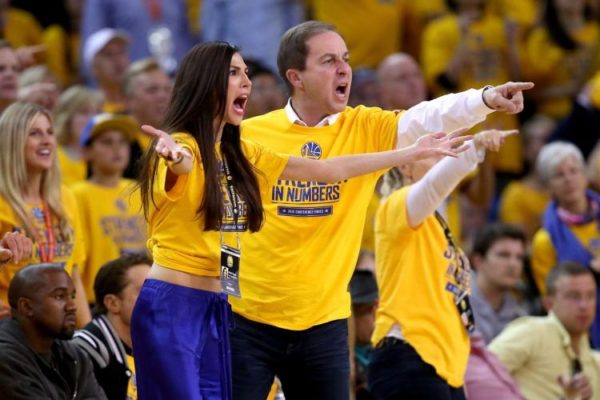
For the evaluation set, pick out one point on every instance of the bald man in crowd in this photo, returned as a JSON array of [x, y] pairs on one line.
[[401, 82]]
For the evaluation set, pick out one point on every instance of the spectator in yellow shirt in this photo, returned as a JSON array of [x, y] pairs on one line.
[[10, 70], [74, 108]]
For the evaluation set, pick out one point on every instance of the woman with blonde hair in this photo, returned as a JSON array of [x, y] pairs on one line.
[[32, 200], [424, 318], [74, 108]]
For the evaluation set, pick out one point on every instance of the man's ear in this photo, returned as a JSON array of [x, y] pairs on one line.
[[548, 303], [293, 76], [86, 152], [24, 306], [476, 260], [112, 303]]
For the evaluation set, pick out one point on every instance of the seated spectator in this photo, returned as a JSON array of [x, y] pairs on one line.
[[580, 127], [106, 55], [147, 90], [570, 226], [62, 42], [9, 75], [267, 90], [39, 85], [364, 90], [37, 360], [550, 356], [523, 201], [110, 211], [364, 294], [497, 258], [401, 82], [486, 377], [561, 54], [74, 108], [107, 339], [470, 47], [22, 31]]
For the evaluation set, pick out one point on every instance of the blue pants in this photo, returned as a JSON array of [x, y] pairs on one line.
[[311, 364], [396, 371], [180, 341]]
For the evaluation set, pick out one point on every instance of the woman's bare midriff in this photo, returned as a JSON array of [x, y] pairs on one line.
[[208, 283]]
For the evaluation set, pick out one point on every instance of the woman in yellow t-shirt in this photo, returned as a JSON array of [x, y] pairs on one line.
[[423, 321], [74, 108], [561, 55], [32, 200], [197, 182]]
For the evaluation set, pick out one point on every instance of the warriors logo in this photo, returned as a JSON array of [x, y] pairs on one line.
[[311, 150]]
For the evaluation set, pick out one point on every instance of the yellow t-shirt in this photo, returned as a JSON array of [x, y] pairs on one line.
[[524, 13], [295, 272], [414, 270], [486, 64], [417, 15], [371, 39], [62, 53], [71, 171], [112, 107], [523, 205], [143, 139], [177, 237], [550, 65], [368, 238], [22, 29], [132, 393], [543, 253], [112, 223], [595, 90], [71, 252]]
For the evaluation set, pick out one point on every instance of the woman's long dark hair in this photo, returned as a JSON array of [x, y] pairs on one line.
[[556, 30], [200, 97]]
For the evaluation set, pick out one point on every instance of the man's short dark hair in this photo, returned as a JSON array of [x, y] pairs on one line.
[[565, 268], [112, 277], [491, 233], [293, 50], [29, 280]]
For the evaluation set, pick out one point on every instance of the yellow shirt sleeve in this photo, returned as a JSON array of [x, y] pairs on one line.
[[543, 258], [270, 163]]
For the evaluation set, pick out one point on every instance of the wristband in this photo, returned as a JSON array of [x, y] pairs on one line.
[[483, 97]]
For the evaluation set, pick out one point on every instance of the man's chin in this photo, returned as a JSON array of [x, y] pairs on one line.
[[66, 334]]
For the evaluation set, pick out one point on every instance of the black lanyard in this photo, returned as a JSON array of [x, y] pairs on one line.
[[235, 205], [461, 260], [233, 198]]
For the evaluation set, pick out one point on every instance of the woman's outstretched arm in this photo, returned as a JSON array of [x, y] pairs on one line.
[[339, 168]]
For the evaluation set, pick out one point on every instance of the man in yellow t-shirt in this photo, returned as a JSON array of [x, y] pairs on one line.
[[290, 320]]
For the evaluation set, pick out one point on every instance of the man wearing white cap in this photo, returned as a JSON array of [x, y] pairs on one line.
[[105, 60]]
